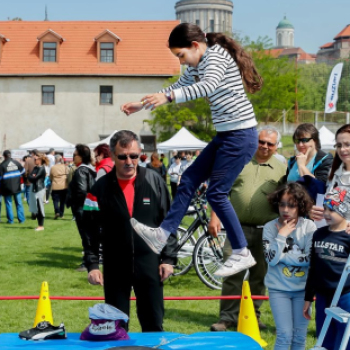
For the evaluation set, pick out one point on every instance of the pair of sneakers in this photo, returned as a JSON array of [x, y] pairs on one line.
[[156, 239]]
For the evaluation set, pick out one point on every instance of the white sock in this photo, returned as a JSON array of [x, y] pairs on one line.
[[242, 251]]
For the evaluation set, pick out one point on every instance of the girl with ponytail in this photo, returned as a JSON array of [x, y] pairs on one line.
[[218, 69]]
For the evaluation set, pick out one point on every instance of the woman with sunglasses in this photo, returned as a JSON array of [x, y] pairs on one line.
[[310, 159], [340, 170], [37, 179]]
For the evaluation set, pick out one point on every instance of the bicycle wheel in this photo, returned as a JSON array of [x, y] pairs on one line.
[[208, 257], [184, 255]]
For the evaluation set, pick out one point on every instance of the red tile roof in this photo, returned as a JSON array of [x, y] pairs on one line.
[[345, 32], [327, 46], [141, 51]]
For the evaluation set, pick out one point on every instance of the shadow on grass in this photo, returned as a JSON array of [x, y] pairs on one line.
[[58, 260]]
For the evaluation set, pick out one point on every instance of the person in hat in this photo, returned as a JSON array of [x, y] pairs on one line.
[[329, 253]]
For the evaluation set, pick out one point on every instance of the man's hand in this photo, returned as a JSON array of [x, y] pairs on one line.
[[306, 310], [95, 277], [286, 228], [165, 270], [214, 225], [316, 213]]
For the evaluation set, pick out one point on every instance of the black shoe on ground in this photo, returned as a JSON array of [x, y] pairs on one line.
[[44, 330], [81, 268], [221, 326], [262, 325]]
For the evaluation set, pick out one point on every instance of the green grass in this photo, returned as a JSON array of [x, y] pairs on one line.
[[28, 258]]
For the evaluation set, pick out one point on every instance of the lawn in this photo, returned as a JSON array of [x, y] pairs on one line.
[[28, 258]]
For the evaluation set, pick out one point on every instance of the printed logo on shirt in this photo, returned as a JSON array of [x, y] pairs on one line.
[[146, 201]]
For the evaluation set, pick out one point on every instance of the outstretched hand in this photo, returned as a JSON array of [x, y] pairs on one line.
[[286, 228], [154, 100], [131, 107]]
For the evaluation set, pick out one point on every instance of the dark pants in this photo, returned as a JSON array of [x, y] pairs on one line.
[[39, 215], [149, 297], [232, 285], [221, 161], [59, 200], [173, 186], [78, 214]]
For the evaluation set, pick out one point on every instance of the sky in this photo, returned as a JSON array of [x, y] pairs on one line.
[[316, 22]]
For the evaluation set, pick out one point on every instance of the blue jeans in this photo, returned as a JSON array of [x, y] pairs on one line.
[[291, 326], [221, 161], [336, 329], [19, 207], [26, 193]]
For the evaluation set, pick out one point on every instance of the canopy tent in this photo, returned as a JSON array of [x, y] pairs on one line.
[[106, 140], [327, 138], [48, 139], [182, 140]]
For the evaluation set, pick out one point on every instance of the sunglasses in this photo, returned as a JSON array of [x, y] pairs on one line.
[[303, 140], [269, 144], [288, 205], [126, 156]]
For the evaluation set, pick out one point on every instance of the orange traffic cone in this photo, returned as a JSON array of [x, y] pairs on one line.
[[247, 320], [44, 311]]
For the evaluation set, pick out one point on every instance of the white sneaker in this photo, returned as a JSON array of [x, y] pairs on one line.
[[234, 264], [149, 235]]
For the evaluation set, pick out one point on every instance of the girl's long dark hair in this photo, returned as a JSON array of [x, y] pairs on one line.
[[185, 33], [336, 160]]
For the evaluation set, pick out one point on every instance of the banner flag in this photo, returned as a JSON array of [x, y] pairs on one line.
[[332, 89]]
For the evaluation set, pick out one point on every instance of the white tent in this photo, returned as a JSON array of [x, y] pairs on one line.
[[48, 139], [327, 138], [182, 140], [106, 140]]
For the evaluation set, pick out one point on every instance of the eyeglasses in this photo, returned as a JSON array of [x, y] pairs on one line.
[[269, 144], [126, 156], [288, 205], [342, 145], [303, 140]]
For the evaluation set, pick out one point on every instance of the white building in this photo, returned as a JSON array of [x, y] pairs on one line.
[[284, 34], [210, 15]]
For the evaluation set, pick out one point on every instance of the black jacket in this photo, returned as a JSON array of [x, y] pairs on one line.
[[124, 252], [322, 165], [37, 178], [82, 182], [11, 172], [329, 254]]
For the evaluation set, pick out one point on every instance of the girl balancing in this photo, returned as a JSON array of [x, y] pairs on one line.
[[217, 69]]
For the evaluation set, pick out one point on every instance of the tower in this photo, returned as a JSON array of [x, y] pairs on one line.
[[284, 34], [210, 15]]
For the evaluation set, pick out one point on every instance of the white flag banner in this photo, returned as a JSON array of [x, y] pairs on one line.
[[332, 89]]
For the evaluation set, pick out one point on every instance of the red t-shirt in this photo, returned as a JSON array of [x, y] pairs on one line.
[[128, 189]]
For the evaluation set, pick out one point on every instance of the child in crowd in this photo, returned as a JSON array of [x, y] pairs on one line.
[[287, 243], [217, 69], [329, 253]]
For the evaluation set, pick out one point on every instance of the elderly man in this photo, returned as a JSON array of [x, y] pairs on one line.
[[261, 176], [59, 183], [11, 172], [129, 190]]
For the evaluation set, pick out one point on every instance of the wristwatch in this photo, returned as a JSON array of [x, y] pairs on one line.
[[168, 96]]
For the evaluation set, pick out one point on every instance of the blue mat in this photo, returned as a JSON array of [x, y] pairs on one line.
[[163, 340]]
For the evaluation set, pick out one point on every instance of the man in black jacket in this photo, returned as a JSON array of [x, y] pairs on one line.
[[130, 191], [11, 172]]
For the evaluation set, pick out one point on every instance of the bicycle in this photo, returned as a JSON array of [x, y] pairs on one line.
[[206, 254]]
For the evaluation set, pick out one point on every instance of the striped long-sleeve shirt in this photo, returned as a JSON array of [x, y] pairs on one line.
[[218, 78]]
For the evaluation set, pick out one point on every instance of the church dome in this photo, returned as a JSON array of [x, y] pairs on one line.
[[285, 24]]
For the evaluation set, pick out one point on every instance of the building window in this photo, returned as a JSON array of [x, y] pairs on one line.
[[48, 94], [212, 29], [198, 22], [107, 52], [50, 50], [106, 95]]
